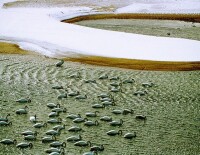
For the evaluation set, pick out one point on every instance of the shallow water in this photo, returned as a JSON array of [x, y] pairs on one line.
[[177, 29], [171, 106]]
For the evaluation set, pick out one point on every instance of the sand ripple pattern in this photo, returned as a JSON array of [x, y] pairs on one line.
[[171, 105]]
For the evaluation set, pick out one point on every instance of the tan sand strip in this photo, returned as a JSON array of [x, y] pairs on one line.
[[8, 48], [183, 17], [137, 64]]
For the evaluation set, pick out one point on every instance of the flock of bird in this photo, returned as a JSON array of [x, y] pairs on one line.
[[57, 147]]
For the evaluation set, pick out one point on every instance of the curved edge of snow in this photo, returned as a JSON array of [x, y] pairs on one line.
[[40, 29]]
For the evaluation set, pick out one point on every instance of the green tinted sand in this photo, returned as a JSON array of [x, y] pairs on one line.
[[177, 29], [171, 106]]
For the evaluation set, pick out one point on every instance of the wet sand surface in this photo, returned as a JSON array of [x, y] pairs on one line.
[[164, 28], [171, 106]]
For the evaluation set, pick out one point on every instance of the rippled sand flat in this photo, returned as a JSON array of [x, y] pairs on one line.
[[177, 29], [171, 106]]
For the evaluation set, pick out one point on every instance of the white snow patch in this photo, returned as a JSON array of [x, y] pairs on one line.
[[33, 47], [162, 6], [40, 29]]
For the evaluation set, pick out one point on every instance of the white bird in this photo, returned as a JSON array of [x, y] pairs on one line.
[[33, 118]]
